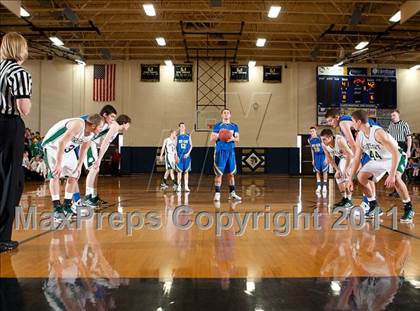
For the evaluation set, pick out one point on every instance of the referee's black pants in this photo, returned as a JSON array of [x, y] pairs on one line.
[[12, 132]]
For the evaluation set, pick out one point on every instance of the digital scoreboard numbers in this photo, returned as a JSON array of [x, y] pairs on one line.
[[350, 89]]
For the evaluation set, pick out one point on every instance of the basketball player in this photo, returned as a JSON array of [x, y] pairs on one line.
[[59, 147], [109, 113], [183, 159], [338, 146], [318, 161], [345, 124], [385, 157], [93, 159], [169, 150], [224, 155]]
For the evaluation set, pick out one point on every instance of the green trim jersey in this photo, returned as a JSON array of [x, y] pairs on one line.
[[336, 150], [99, 138], [375, 150], [58, 130]]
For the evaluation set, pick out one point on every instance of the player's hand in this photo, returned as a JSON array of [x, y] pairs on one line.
[[176, 159], [57, 170], [96, 165], [408, 154], [350, 185], [338, 174], [390, 181], [78, 172], [161, 158]]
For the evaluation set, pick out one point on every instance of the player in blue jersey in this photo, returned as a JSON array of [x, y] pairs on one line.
[[183, 158], [318, 161], [224, 155], [345, 124]]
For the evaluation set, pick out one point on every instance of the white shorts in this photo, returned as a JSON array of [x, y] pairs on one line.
[[170, 163], [68, 164], [91, 155], [379, 168], [342, 166]]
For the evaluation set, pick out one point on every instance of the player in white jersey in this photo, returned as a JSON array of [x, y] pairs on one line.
[[109, 113], [93, 159], [169, 150], [338, 147], [386, 157], [59, 147]]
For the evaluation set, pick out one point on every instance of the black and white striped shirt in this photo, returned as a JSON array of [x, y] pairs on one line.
[[399, 130], [15, 83]]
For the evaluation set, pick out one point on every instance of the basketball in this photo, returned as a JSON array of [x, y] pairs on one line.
[[225, 135]]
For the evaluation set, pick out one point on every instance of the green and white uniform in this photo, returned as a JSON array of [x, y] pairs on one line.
[[335, 151], [380, 158], [70, 156], [92, 152], [170, 153]]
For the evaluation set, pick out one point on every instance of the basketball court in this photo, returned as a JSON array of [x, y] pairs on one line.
[[282, 246]]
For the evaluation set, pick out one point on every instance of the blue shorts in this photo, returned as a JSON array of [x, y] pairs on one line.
[[365, 158], [320, 164], [224, 162], [183, 165]]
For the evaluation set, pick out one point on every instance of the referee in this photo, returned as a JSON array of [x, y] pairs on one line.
[[400, 130], [15, 94]]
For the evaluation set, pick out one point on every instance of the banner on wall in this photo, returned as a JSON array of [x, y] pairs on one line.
[[272, 74], [239, 73], [150, 72], [183, 72], [383, 72]]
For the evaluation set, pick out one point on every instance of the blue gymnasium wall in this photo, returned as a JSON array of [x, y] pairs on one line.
[[277, 160]]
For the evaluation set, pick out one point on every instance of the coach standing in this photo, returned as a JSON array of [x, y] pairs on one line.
[[15, 94]]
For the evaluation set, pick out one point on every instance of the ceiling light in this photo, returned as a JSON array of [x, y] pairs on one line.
[[415, 67], [261, 42], [168, 63], [396, 17], [361, 45], [274, 11], [24, 13], [251, 63], [56, 41], [80, 62], [161, 41], [149, 9], [359, 51]]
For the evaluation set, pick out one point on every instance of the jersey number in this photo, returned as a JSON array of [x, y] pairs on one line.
[[70, 148], [373, 154]]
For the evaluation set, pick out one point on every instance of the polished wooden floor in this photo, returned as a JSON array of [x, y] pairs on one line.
[[169, 252]]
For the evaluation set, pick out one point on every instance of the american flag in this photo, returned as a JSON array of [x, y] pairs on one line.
[[104, 82]]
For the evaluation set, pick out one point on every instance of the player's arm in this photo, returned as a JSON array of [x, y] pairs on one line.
[[113, 129], [345, 127], [162, 150], [214, 134], [312, 153], [346, 151], [409, 144], [330, 159], [83, 150], [235, 136], [357, 157], [385, 140], [73, 127], [189, 150]]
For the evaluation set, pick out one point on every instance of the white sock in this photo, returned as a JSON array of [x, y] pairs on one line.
[[55, 197], [89, 191], [68, 195], [94, 193]]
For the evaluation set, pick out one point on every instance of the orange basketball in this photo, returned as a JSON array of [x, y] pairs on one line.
[[225, 135]]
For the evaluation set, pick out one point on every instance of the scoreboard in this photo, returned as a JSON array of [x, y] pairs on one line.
[[355, 88]]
